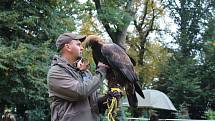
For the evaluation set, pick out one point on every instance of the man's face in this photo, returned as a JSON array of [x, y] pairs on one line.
[[74, 48]]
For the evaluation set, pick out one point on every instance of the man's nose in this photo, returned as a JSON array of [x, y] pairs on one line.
[[82, 48]]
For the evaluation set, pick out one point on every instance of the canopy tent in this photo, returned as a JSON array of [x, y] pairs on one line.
[[154, 99]]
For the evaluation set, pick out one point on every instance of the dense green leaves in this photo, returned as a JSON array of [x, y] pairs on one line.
[[189, 75], [29, 28], [23, 76]]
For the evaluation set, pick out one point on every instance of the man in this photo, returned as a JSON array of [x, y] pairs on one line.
[[73, 95]]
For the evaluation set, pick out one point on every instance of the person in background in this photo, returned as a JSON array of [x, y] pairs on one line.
[[8, 116], [154, 117], [26, 116]]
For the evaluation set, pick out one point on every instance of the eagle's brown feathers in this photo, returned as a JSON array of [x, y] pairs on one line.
[[121, 66]]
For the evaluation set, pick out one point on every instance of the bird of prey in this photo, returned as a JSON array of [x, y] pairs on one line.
[[121, 70]]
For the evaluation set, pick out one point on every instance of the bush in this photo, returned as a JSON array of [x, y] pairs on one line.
[[209, 114]]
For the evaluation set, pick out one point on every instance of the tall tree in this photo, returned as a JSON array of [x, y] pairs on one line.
[[208, 66], [147, 12], [155, 59], [116, 16], [181, 79], [191, 17], [28, 30]]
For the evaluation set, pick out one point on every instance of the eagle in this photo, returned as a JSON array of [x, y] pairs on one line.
[[121, 72]]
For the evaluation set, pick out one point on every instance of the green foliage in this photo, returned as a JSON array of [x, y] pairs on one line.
[[181, 82], [114, 12], [182, 113], [38, 114], [209, 114], [28, 30], [192, 24], [23, 76], [188, 78], [34, 23], [115, 17], [155, 59]]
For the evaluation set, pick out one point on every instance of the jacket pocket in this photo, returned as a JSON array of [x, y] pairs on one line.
[[57, 110], [61, 111]]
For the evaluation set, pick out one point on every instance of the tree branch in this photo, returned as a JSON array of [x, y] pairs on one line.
[[145, 13], [106, 25]]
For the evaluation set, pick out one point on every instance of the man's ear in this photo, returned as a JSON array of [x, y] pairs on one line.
[[68, 47]]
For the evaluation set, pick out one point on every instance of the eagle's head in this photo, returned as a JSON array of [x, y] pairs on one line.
[[92, 40]]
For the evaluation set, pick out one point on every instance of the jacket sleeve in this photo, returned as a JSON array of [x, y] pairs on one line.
[[63, 85]]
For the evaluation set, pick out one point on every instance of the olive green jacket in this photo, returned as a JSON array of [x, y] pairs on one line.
[[73, 92]]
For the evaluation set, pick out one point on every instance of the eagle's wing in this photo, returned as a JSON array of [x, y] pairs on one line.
[[119, 60]]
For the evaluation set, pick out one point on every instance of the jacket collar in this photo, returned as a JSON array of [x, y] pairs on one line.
[[63, 62]]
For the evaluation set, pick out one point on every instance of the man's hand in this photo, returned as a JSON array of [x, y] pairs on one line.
[[83, 65], [100, 64]]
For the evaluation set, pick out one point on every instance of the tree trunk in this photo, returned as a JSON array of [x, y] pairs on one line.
[[118, 35]]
